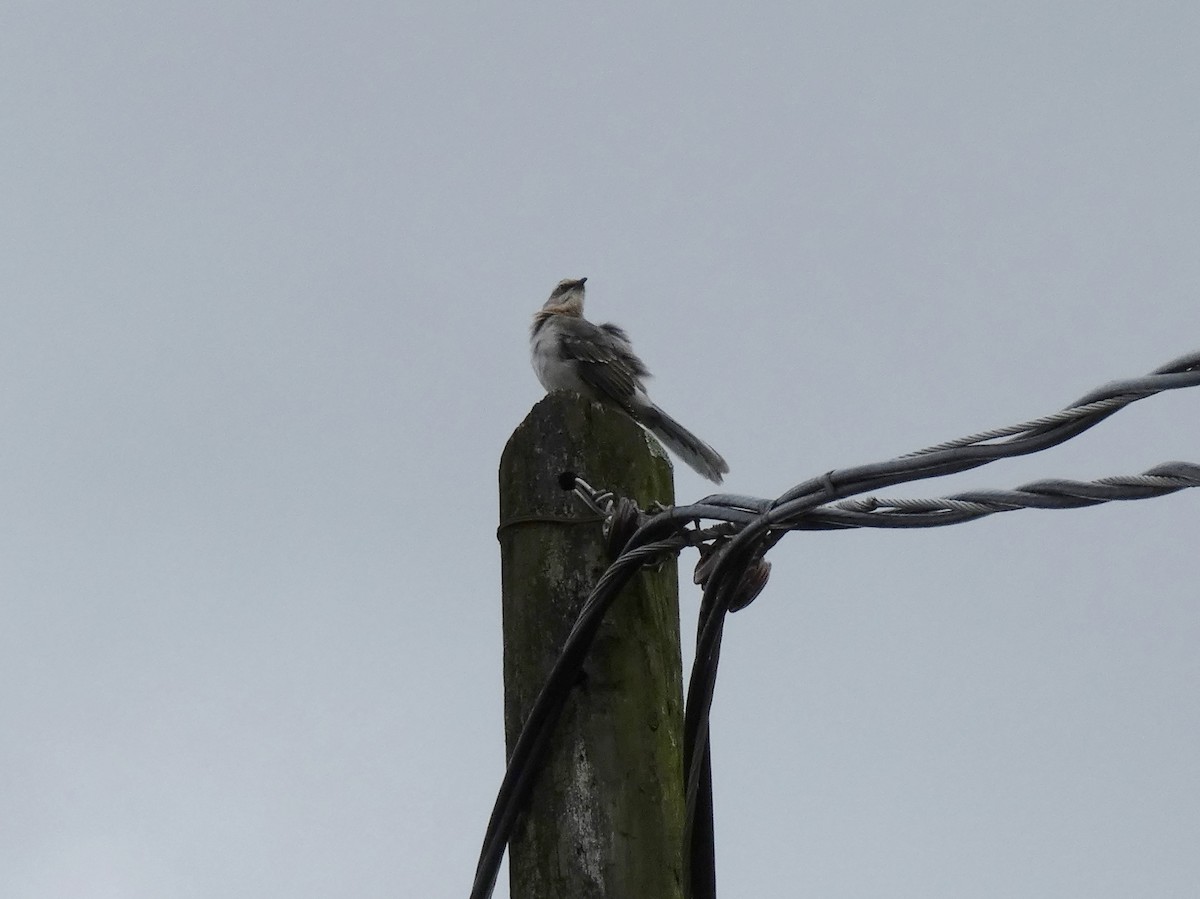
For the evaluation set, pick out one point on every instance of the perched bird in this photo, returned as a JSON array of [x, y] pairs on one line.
[[571, 353]]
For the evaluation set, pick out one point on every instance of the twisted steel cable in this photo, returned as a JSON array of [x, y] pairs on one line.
[[733, 571]]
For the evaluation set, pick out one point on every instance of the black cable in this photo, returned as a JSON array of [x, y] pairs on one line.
[[753, 526]]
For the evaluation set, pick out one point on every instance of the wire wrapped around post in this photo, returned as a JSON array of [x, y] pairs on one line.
[[733, 568]]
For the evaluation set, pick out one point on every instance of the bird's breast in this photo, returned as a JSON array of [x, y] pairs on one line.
[[552, 370]]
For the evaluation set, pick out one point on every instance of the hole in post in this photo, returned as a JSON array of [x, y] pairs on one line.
[[566, 480]]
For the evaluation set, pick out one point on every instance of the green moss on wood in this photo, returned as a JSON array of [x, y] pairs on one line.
[[606, 818]]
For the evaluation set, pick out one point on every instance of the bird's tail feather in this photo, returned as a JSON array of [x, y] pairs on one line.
[[699, 456]]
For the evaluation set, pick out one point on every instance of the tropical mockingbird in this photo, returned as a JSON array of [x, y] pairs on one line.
[[571, 353]]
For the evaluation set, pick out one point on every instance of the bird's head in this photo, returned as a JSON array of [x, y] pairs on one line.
[[567, 297]]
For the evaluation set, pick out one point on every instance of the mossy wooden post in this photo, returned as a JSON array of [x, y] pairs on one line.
[[606, 817]]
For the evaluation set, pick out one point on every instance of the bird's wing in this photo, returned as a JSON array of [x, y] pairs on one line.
[[603, 358]]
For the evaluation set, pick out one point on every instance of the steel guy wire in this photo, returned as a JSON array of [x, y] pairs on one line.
[[749, 527]]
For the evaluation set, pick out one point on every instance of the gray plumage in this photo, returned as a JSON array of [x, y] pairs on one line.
[[571, 353]]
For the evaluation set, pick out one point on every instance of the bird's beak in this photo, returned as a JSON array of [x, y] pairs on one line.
[[581, 281]]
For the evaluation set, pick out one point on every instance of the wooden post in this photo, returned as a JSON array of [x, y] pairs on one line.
[[606, 817]]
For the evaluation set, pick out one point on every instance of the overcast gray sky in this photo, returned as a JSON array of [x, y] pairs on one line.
[[267, 273]]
